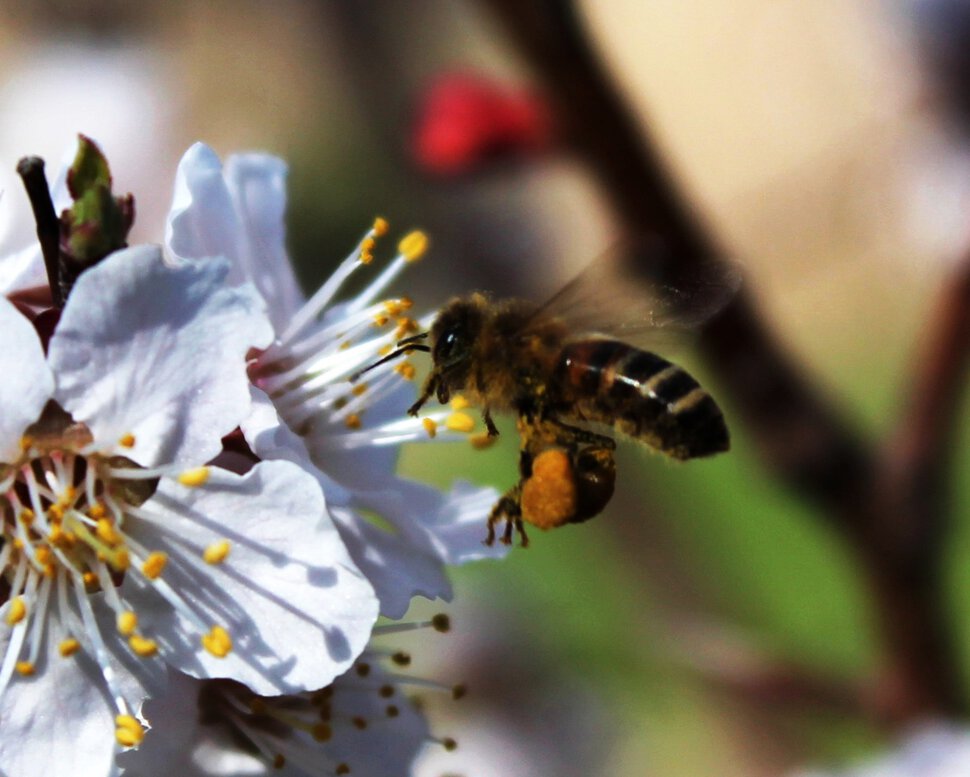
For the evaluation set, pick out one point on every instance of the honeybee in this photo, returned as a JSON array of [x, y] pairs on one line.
[[567, 362]]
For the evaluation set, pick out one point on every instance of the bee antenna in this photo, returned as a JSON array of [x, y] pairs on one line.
[[407, 347], [412, 339]]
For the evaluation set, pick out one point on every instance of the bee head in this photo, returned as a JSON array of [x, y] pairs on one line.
[[455, 330], [453, 337]]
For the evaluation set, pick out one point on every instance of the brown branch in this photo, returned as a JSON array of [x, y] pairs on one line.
[[801, 436]]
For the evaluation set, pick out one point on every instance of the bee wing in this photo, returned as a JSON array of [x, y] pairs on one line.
[[638, 292]]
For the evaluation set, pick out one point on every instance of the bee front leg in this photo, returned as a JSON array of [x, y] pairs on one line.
[[426, 392], [489, 423]]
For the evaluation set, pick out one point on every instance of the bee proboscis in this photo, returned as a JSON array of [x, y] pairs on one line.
[[566, 363]]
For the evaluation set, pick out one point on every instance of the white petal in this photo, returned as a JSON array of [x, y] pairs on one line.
[[296, 607], [257, 183], [238, 215], [158, 352], [27, 381], [62, 715], [428, 530], [398, 568], [202, 221], [272, 440], [179, 744]]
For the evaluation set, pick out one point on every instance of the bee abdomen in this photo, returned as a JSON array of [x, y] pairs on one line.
[[645, 396]]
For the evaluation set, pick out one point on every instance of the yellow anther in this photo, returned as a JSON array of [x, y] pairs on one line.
[[359, 389], [342, 768], [154, 565], [217, 641], [18, 543], [482, 440], [217, 552], [120, 560], [127, 441], [26, 668], [126, 622], [380, 320], [43, 554], [380, 226], [345, 345], [460, 422], [27, 516], [68, 647], [128, 731], [97, 511], [322, 732], [405, 326], [106, 532], [430, 427], [89, 578], [366, 250], [26, 442], [384, 350], [406, 370], [17, 611], [458, 402], [55, 512], [352, 421], [413, 245], [279, 761], [194, 477], [56, 535], [142, 646]]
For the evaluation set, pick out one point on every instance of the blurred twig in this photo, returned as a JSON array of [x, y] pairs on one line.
[[889, 507]]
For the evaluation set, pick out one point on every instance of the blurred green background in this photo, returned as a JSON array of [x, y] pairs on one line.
[[807, 137]]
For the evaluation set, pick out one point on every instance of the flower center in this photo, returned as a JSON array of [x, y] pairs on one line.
[[63, 512]]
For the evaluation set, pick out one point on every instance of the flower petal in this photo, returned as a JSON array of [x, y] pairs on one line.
[[428, 530], [157, 352], [62, 715], [272, 440], [297, 609], [257, 183], [27, 382], [397, 568], [237, 214]]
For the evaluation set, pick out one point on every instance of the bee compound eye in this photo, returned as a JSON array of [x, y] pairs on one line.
[[447, 345]]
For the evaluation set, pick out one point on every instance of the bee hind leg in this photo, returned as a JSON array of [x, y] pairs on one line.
[[509, 510]]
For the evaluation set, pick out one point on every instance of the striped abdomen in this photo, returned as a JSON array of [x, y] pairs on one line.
[[642, 395]]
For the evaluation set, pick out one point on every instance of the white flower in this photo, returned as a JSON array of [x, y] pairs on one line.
[[363, 724], [937, 750], [121, 548], [305, 409]]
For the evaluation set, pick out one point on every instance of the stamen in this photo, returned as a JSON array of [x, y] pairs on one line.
[[217, 552], [68, 647], [460, 422], [217, 642], [128, 731], [193, 478], [413, 245], [154, 565]]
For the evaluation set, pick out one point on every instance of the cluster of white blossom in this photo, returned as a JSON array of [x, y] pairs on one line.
[[190, 568]]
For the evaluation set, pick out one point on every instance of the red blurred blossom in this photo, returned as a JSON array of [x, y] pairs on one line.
[[465, 120]]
